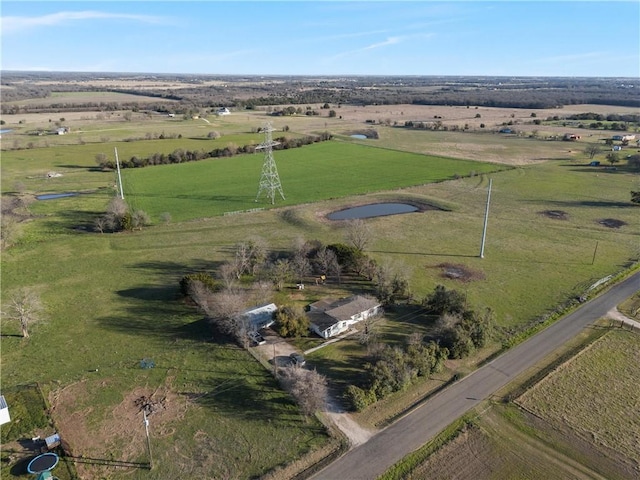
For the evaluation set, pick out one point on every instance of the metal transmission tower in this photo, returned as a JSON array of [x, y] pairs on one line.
[[270, 180]]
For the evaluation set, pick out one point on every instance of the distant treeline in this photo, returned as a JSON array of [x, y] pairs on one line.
[[182, 156], [194, 92], [612, 117]]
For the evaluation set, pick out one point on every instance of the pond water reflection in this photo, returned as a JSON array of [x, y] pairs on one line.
[[372, 210], [52, 196]]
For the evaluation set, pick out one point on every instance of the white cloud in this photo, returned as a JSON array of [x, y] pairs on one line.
[[572, 57], [14, 24], [389, 41]]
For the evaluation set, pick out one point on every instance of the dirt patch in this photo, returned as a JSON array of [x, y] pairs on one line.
[[114, 439], [469, 456], [612, 222], [555, 214], [462, 273]]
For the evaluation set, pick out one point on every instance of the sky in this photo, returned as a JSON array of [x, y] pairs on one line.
[[503, 38]]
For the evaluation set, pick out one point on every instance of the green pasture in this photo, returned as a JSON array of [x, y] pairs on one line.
[[308, 174], [112, 299]]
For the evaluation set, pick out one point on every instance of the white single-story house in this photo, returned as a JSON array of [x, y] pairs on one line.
[[331, 317], [259, 317], [223, 111]]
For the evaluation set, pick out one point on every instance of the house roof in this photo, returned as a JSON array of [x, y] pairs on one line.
[[345, 308], [260, 314], [321, 320]]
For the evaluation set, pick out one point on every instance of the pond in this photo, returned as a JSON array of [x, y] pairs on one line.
[[359, 136], [372, 210], [5, 130], [52, 196]]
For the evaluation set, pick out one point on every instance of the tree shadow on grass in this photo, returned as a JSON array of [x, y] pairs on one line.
[[256, 398], [176, 270], [593, 203], [74, 220]]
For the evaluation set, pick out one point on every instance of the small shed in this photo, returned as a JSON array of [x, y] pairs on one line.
[[4, 411], [262, 316]]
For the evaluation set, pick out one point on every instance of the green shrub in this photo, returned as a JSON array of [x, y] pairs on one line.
[[291, 321], [359, 398], [203, 277]]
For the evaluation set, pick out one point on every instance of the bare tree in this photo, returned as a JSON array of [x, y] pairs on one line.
[[308, 387], [228, 273], [257, 254], [250, 256], [358, 234], [139, 219], [280, 273], [261, 293], [25, 307], [8, 230], [326, 262], [225, 305], [592, 150], [118, 207], [101, 223], [242, 259]]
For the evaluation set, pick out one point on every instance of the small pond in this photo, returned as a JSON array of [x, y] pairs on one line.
[[359, 136], [372, 210], [5, 130], [52, 196]]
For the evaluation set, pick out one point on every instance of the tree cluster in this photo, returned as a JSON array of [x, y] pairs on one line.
[[459, 329], [180, 155], [393, 369], [307, 387], [119, 217]]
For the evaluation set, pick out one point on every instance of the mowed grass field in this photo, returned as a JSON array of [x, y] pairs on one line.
[[309, 174], [112, 299]]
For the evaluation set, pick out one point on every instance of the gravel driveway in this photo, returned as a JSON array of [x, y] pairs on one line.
[[279, 348]]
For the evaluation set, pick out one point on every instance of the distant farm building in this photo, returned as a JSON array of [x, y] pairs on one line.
[[223, 111], [571, 137]]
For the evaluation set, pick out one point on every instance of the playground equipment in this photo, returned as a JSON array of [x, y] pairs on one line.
[[43, 463]]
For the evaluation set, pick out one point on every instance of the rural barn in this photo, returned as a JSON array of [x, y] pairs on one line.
[[331, 317]]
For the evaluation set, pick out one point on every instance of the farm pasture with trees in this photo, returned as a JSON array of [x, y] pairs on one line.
[[162, 275]]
